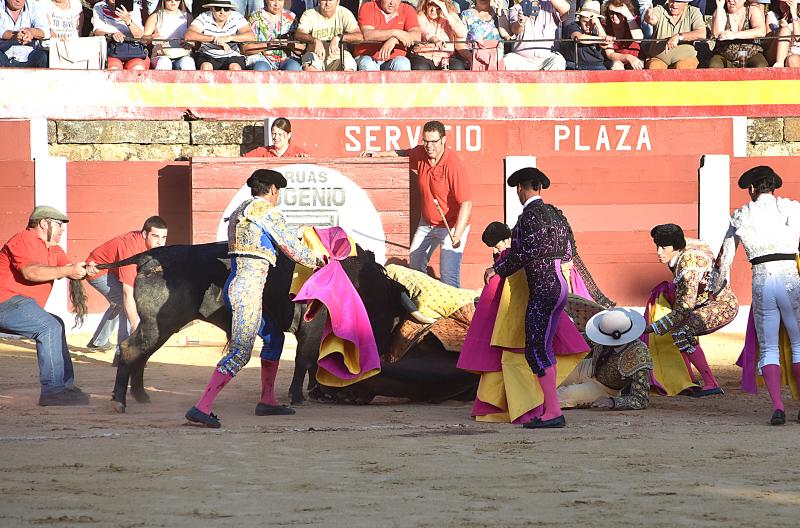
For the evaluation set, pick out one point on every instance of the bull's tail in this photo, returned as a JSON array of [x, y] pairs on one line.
[[137, 259], [594, 290], [77, 296]]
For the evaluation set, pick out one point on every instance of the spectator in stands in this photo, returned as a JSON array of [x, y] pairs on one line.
[[64, 18], [392, 22], [541, 24], [622, 21], [29, 263], [486, 23], [170, 21], [247, 7], [675, 26], [321, 28], [23, 26], [220, 29], [270, 24], [735, 25], [588, 52], [281, 133], [116, 21], [783, 21], [439, 26], [116, 285]]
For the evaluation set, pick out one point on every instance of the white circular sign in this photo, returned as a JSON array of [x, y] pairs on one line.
[[322, 197]]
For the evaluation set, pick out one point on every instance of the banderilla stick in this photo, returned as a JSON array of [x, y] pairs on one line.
[[441, 213]]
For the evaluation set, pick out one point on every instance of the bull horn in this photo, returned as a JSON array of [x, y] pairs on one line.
[[413, 310]]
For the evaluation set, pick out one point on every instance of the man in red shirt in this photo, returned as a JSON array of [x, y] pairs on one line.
[[29, 263], [392, 22], [440, 176], [116, 285]]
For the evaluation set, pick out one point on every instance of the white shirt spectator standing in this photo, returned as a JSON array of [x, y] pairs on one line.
[[23, 26], [542, 24], [108, 19], [170, 21], [220, 29]]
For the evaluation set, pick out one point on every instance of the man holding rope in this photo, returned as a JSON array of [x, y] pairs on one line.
[[446, 203]]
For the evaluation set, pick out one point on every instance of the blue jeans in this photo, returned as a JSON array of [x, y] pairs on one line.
[[367, 63], [22, 316], [248, 7], [426, 240], [38, 58], [110, 287], [285, 65]]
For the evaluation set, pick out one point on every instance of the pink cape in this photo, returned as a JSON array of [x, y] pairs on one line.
[[478, 354], [347, 317]]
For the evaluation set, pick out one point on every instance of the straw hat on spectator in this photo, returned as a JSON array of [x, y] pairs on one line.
[[590, 9], [220, 3]]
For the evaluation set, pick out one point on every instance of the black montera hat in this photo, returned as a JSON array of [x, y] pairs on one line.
[[494, 233], [756, 174], [529, 174], [668, 235], [267, 176]]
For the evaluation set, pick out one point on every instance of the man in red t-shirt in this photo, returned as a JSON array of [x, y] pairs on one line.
[[392, 22], [116, 285], [29, 263], [440, 176]]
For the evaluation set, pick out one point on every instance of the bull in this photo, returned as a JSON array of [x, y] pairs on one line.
[[178, 284]]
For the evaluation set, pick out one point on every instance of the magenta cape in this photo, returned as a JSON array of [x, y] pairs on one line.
[[347, 317]]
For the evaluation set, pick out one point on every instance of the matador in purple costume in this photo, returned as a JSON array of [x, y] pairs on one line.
[[540, 242]]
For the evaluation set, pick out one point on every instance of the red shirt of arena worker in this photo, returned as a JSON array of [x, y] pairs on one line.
[[390, 21], [440, 176], [153, 234], [29, 263], [281, 133]]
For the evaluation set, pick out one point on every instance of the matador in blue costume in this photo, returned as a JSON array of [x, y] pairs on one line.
[[256, 232], [540, 242]]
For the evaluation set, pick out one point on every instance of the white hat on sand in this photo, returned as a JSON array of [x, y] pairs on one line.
[[615, 327]]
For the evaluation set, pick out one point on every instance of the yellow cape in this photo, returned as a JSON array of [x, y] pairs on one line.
[[669, 368]]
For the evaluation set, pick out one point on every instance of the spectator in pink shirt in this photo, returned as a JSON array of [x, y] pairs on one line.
[[440, 25], [393, 23]]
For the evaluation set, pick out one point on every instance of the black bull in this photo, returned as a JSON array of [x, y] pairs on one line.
[[178, 284]]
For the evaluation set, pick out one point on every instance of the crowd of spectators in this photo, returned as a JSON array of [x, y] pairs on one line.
[[369, 35]]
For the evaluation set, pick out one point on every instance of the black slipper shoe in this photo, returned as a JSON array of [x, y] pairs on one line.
[[778, 418], [553, 423], [706, 392], [196, 416], [264, 409]]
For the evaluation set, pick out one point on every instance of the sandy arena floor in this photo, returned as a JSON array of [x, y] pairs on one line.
[[683, 462]]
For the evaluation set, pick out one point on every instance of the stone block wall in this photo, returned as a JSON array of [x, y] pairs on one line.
[[180, 140]]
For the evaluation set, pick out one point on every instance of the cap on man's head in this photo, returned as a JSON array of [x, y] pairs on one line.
[[529, 174], [45, 212], [267, 177], [220, 3], [668, 235], [756, 174], [494, 233]]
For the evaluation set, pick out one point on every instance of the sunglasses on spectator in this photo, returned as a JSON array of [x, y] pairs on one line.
[[221, 9]]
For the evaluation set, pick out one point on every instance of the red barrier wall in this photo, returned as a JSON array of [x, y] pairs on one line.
[[16, 196]]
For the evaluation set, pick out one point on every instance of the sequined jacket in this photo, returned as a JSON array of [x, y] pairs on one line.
[[766, 226], [691, 270], [626, 369], [256, 227]]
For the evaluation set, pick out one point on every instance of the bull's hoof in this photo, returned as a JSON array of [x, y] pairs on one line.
[[296, 398], [118, 407], [140, 395]]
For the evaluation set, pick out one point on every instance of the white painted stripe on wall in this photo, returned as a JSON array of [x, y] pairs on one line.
[[740, 137], [38, 143], [50, 188], [512, 206], [715, 199]]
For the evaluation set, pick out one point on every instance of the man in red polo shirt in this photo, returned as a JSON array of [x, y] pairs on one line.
[[392, 22], [29, 263], [116, 285], [440, 175]]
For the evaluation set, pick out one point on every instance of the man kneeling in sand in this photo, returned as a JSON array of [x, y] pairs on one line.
[[616, 374]]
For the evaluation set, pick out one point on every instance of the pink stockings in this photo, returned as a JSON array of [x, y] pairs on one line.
[[269, 370], [215, 385], [552, 407], [698, 359], [772, 379]]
